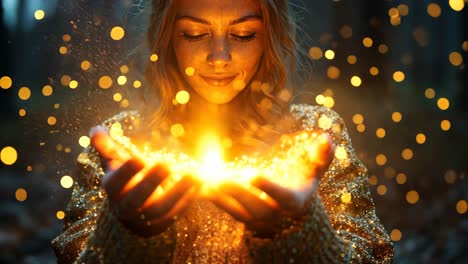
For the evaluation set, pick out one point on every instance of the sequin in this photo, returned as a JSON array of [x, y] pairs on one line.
[[330, 230]]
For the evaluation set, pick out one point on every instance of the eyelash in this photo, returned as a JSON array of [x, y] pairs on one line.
[[201, 36]]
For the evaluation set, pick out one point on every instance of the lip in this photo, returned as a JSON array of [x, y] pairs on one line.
[[218, 80]]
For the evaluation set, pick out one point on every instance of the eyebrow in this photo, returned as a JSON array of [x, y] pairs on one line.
[[236, 21]]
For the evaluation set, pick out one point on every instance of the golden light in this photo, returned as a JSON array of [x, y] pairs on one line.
[[361, 128], [177, 130], [367, 42], [121, 80], [124, 69], [443, 103], [21, 195], [329, 102], [84, 141], [330, 54], [393, 12], [351, 59], [212, 166], [288, 164], [374, 71], [65, 80], [383, 48], [398, 76], [60, 215], [434, 10], [346, 32], [66, 182], [346, 197], [285, 95], [137, 84], [455, 58], [403, 9], [373, 180], [457, 5], [381, 159], [429, 93], [39, 14], [461, 207], [154, 57], [358, 119], [412, 197], [325, 122], [238, 85], [22, 112], [8, 155], [6, 82], [382, 189], [356, 81], [465, 45], [450, 176], [380, 133], [341, 153], [117, 97], [117, 33], [66, 37], [73, 84], [320, 99], [445, 125], [397, 117], [182, 97], [401, 178], [63, 50], [420, 138], [24, 93], [315, 53], [47, 90], [124, 103], [395, 235], [407, 154], [105, 82], [51, 120], [190, 71]]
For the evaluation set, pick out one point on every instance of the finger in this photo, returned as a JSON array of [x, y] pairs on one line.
[[134, 198], [259, 206], [111, 156], [286, 198], [231, 206], [163, 203], [113, 182], [326, 151]]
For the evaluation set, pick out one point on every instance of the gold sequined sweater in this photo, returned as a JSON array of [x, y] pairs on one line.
[[339, 224]]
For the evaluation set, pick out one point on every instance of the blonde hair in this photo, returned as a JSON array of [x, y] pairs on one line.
[[277, 69]]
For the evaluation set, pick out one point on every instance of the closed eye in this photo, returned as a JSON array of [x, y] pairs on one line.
[[244, 38], [194, 37]]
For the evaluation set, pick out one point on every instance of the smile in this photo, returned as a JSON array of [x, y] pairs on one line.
[[218, 81]]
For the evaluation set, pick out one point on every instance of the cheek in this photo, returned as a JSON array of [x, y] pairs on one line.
[[188, 54], [248, 57]]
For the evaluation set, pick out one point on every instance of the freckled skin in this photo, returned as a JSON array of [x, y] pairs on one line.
[[217, 47]]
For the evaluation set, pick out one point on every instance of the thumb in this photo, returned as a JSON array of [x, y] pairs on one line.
[[111, 155]]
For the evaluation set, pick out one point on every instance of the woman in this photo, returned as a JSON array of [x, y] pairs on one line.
[[236, 59]]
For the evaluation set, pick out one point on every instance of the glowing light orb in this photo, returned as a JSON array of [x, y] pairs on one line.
[[39, 14], [8, 155], [117, 33]]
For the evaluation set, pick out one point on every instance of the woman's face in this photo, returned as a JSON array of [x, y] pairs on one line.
[[218, 45]]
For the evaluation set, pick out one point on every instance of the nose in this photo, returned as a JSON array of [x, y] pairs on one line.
[[219, 55]]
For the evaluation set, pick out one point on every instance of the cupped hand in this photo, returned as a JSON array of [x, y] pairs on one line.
[[264, 204], [137, 193]]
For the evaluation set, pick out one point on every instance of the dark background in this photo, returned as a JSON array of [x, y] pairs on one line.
[[432, 231]]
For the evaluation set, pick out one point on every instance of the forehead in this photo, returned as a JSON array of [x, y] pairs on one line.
[[217, 9]]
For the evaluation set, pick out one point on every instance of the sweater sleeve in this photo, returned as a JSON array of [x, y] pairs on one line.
[[92, 233], [339, 223]]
